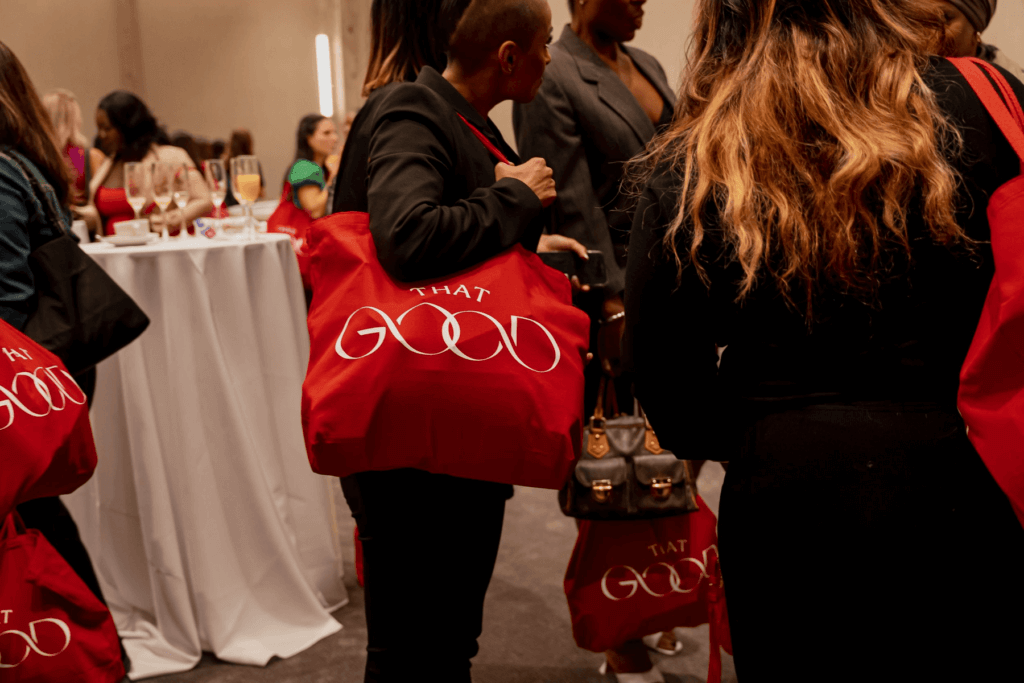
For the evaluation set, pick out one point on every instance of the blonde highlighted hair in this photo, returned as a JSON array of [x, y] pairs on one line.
[[806, 128], [66, 116]]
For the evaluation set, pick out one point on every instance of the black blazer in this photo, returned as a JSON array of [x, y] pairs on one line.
[[587, 124], [428, 182]]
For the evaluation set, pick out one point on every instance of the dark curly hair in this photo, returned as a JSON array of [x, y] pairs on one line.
[[136, 124]]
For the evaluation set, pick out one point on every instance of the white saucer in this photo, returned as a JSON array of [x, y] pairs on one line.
[[130, 240]]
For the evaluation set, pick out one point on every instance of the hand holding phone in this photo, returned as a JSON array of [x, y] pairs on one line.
[[590, 271]]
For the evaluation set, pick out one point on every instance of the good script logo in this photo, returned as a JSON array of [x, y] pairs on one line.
[[658, 580], [39, 393], [13, 640], [451, 331]]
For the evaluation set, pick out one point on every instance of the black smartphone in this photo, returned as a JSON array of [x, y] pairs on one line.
[[590, 272]]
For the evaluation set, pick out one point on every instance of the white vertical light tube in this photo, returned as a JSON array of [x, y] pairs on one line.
[[323, 75]]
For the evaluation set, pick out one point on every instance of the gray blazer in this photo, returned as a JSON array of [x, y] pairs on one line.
[[587, 124]]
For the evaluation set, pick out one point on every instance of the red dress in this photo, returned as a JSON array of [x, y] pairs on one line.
[[113, 207]]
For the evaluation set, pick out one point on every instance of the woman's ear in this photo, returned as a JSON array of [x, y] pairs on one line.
[[508, 57]]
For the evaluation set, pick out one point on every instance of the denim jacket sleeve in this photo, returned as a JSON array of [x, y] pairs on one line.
[[23, 228]]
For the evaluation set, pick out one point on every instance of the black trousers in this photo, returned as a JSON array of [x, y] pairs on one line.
[[429, 546], [869, 542]]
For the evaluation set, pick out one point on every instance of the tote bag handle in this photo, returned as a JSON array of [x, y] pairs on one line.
[[1005, 110], [487, 143]]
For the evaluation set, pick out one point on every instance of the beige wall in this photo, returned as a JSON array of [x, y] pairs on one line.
[[214, 66], [1007, 29], [78, 53]]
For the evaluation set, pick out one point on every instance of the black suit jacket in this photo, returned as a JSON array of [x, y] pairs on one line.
[[428, 182], [587, 124]]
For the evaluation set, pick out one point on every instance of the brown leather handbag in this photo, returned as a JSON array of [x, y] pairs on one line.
[[624, 473]]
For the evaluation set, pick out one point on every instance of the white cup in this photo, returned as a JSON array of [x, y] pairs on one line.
[[136, 228]]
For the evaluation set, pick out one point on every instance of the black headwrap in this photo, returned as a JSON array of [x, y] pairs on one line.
[[978, 12]]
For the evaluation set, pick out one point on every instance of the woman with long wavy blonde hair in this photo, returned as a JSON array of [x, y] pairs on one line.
[[66, 116], [817, 210]]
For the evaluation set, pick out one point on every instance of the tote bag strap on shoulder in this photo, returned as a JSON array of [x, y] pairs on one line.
[[1005, 110], [497, 153]]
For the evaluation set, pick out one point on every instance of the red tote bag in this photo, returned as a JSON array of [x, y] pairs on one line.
[[477, 375], [52, 628], [290, 220], [626, 580], [46, 444], [991, 397]]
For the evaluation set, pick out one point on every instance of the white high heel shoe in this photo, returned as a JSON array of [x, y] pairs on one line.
[[652, 640], [652, 676]]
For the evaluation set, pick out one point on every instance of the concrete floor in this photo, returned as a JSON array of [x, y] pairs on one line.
[[527, 634]]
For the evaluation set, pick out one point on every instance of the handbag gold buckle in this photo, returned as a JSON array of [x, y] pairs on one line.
[[661, 488], [601, 490], [597, 441]]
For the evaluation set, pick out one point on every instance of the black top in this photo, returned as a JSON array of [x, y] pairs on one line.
[[908, 347], [428, 182], [587, 124]]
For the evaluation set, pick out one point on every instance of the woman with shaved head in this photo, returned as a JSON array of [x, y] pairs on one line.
[[439, 202]]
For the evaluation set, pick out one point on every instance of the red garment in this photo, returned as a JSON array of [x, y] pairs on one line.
[[113, 207]]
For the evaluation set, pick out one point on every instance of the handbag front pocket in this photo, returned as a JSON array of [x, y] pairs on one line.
[[661, 484], [599, 488]]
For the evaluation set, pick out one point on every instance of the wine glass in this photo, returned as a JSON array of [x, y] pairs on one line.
[[245, 184], [135, 185], [181, 197], [163, 191], [217, 179]]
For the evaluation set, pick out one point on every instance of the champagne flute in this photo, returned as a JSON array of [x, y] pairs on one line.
[[217, 179], [135, 185], [181, 197], [163, 191], [245, 184]]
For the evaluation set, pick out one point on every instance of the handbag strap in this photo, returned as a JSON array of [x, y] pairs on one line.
[[1006, 111], [599, 408], [52, 213], [491, 147]]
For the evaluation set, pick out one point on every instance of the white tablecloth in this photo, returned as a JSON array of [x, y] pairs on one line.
[[207, 528]]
